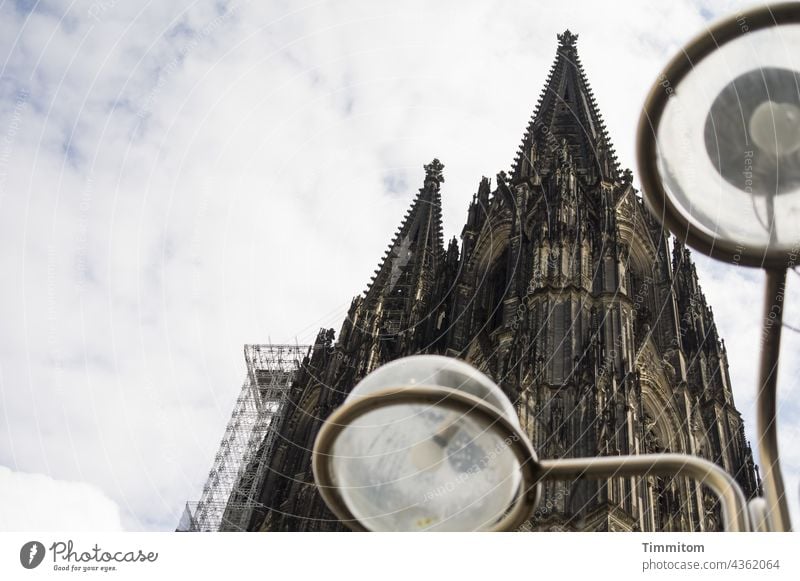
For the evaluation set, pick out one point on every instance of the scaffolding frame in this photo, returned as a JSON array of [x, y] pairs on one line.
[[231, 490]]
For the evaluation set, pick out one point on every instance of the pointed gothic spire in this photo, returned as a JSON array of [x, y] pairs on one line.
[[697, 314], [418, 245], [566, 111], [683, 269]]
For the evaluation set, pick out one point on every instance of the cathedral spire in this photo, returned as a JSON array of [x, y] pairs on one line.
[[566, 110], [684, 271], [416, 248]]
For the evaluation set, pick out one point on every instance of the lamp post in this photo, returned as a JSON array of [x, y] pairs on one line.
[[429, 443], [718, 149]]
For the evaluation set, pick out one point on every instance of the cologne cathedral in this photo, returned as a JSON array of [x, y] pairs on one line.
[[566, 292]]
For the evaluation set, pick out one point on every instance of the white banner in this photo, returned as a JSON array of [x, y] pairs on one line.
[[323, 556]]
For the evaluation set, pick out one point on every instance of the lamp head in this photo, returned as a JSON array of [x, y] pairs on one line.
[[718, 142], [426, 443]]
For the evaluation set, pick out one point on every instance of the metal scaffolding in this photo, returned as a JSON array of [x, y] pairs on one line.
[[229, 495]]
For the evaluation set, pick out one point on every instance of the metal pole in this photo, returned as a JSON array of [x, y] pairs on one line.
[[734, 506], [766, 411], [758, 515]]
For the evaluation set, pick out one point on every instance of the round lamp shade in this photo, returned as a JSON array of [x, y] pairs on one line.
[[426, 443], [719, 140]]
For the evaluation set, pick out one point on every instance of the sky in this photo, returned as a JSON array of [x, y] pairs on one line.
[[178, 179]]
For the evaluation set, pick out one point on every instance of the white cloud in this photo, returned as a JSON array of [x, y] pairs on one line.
[[35, 502], [179, 179]]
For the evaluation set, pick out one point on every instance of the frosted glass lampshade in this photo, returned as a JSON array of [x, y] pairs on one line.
[[719, 141], [437, 371], [436, 446]]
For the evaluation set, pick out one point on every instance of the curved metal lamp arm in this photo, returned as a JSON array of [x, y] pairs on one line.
[[734, 507]]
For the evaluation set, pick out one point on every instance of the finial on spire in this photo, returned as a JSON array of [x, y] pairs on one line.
[[433, 172], [567, 39], [627, 177]]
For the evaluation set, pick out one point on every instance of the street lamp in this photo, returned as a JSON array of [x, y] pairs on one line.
[[718, 148], [428, 443]]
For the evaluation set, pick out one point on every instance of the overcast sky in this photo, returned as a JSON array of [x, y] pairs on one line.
[[179, 179]]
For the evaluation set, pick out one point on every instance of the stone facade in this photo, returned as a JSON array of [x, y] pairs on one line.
[[568, 294]]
